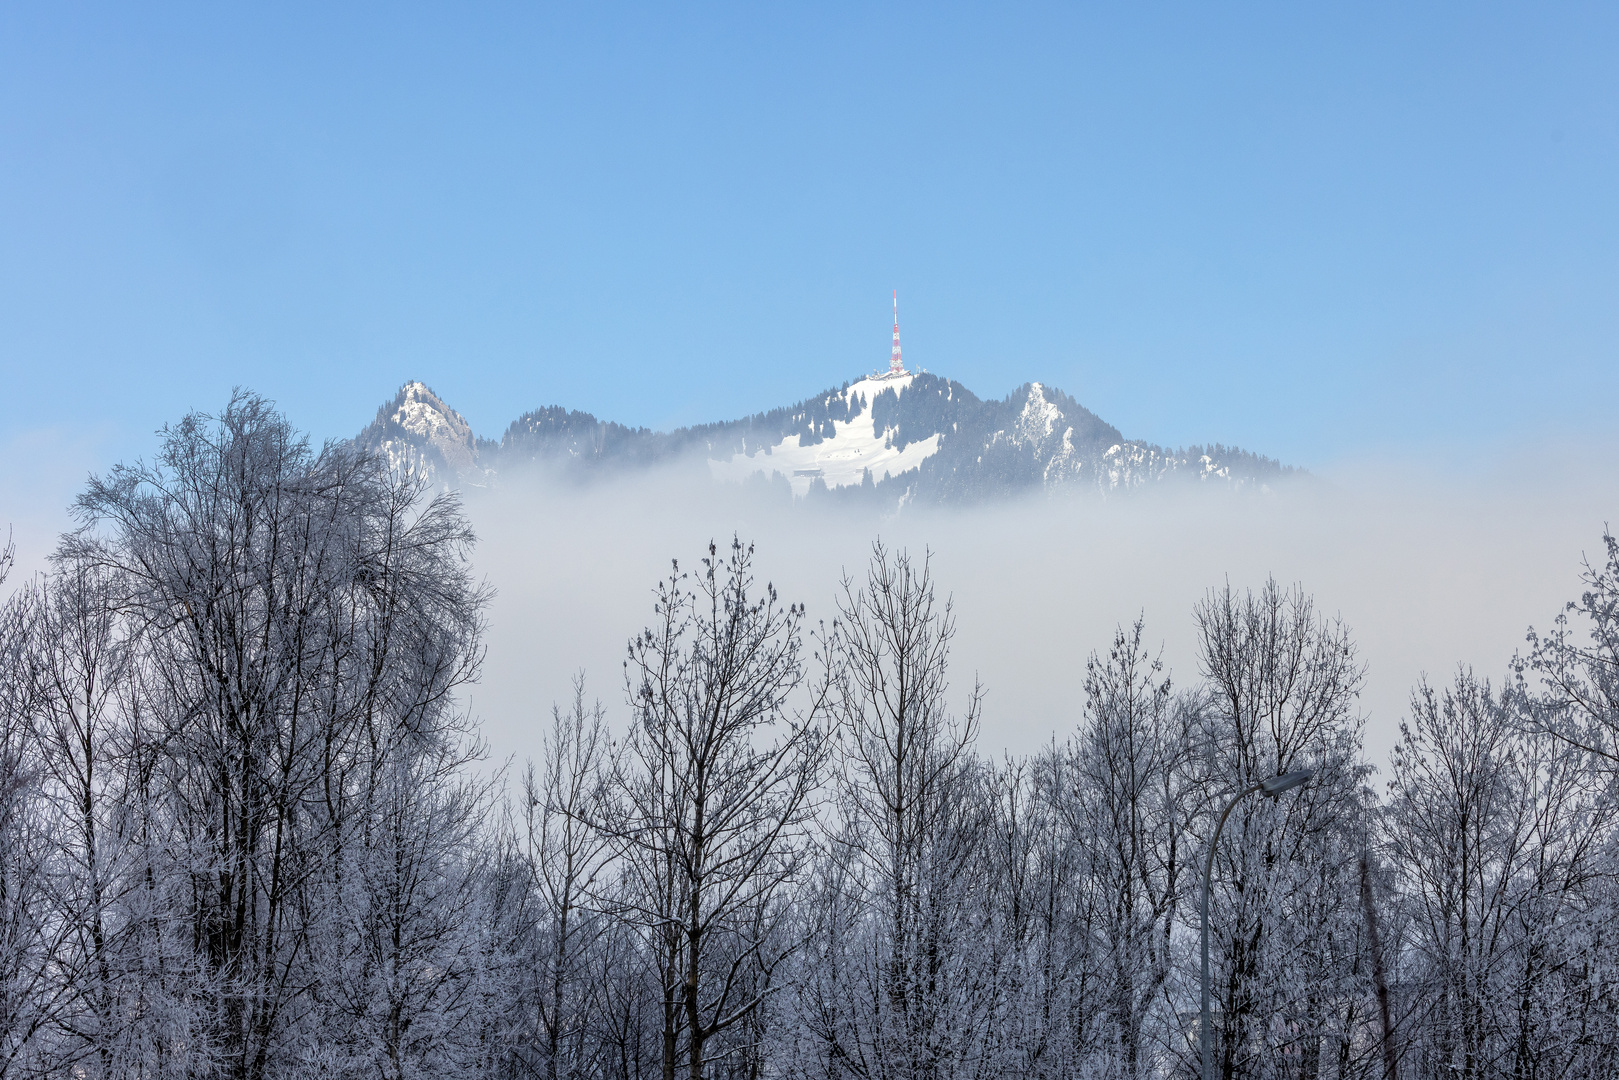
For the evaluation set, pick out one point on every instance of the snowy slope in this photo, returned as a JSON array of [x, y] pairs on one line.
[[844, 455]]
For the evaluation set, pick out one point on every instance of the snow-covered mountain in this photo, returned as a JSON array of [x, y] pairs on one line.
[[917, 437], [419, 432]]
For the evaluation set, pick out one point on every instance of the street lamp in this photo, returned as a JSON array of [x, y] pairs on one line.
[[1272, 787]]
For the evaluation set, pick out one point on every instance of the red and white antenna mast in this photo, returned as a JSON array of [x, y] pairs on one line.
[[895, 367]]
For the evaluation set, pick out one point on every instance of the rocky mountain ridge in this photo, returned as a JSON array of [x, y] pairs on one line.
[[917, 437]]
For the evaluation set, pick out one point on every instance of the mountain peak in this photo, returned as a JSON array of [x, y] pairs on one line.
[[884, 438], [419, 432]]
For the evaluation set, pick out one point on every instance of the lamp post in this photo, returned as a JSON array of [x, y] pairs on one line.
[[1272, 788]]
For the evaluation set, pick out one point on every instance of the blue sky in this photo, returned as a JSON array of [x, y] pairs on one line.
[[1318, 232]]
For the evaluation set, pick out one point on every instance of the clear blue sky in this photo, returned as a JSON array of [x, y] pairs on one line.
[[1315, 232]]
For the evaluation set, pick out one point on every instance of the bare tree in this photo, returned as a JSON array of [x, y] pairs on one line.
[[1016, 822], [915, 824], [1281, 686], [567, 856], [712, 824], [1498, 834], [31, 940], [79, 664], [1129, 808], [1578, 673], [297, 610]]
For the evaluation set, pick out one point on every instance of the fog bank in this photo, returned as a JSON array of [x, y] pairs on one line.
[[1428, 571]]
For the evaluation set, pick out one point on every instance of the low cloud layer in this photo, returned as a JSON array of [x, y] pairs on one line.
[[1428, 572], [1429, 569]]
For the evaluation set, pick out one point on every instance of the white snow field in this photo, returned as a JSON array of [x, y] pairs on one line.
[[842, 460]]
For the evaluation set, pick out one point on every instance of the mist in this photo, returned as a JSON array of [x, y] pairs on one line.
[[1429, 570]]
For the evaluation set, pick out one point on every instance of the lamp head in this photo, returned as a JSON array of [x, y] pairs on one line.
[[1286, 782]]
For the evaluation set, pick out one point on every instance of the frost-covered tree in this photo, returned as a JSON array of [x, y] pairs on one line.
[[80, 669], [1287, 952], [1127, 805], [566, 855], [713, 799], [243, 834], [305, 619], [31, 998], [1499, 833], [913, 995], [1574, 670]]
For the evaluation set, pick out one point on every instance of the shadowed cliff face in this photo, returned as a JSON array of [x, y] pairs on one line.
[[923, 438]]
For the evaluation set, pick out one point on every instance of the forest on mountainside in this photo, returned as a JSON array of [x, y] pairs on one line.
[[242, 834]]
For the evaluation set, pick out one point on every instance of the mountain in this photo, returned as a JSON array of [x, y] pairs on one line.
[[420, 433], [915, 437]]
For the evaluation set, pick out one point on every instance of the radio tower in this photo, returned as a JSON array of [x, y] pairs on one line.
[[895, 367]]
